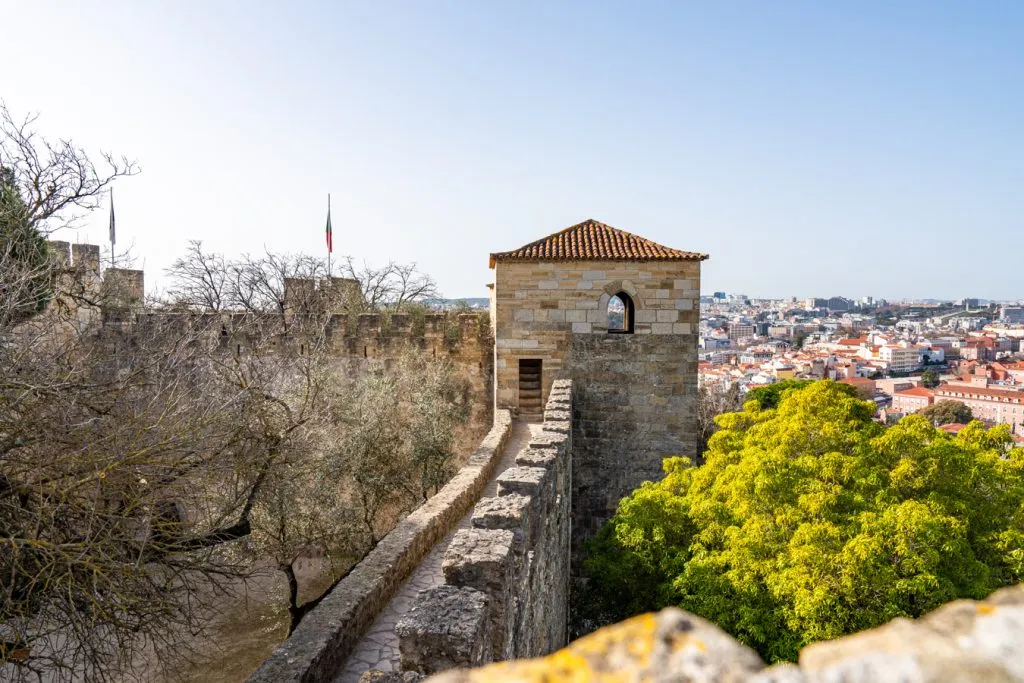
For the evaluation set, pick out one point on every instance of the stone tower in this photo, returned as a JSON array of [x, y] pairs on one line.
[[634, 364]]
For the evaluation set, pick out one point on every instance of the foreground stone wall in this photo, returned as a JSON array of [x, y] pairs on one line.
[[507, 578], [635, 404], [961, 642], [325, 637]]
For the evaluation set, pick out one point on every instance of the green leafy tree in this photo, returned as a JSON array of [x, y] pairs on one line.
[[769, 396], [930, 379], [946, 412], [809, 521], [24, 258]]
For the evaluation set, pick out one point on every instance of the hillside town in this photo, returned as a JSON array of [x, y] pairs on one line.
[[903, 356]]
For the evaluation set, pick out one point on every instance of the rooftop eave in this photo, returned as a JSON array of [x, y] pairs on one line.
[[502, 256]]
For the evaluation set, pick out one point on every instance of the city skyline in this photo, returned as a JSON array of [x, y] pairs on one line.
[[805, 148]]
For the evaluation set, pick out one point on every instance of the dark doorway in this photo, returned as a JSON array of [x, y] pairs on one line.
[[530, 386]]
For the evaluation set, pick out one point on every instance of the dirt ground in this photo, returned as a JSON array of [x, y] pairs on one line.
[[251, 625]]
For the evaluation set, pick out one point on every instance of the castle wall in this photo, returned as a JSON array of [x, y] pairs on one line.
[[635, 404], [366, 341], [356, 344], [540, 306], [506, 587], [636, 394], [324, 638]]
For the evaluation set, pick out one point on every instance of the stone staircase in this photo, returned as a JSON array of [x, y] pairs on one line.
[[530, 406]]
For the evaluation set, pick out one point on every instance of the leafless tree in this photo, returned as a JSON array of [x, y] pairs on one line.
[[200, 279], [392, 286], [56, 179], [207, 281], [712, 401], [146, 465]]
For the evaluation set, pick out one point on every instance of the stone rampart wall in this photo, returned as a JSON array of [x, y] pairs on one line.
[[356, 343], [635, 403], [506, 585], [325, 637], [961, 642]]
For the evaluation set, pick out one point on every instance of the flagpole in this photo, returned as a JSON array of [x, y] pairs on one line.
[[113, 236], [330, 237]]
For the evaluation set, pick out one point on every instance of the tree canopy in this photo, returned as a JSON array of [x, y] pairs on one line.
[[24, 257], [947, 411], [809, 521]]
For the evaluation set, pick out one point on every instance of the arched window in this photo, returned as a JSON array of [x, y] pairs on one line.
[[620, 314]]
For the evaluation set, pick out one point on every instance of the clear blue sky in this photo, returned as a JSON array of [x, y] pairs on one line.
[[812, 148]]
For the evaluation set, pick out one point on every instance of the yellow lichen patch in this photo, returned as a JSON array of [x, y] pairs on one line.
[[681, 640], [596, 657], [985, 609]]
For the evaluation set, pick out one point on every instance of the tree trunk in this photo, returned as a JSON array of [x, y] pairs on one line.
[[294, 611]]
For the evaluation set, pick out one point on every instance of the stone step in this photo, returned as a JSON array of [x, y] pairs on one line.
[[529, 385], [530, 394]]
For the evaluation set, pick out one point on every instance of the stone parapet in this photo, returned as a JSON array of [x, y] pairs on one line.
[[963, 641], [318, 648], [515, 556]]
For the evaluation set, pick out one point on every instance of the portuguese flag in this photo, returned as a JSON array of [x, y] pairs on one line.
[[330, 240]]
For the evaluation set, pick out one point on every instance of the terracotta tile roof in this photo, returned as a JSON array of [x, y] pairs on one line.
[[980, 393], [594, 241], [915, 391]]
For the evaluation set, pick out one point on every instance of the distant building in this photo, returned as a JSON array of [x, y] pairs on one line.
[[740, 330], [839, 303], [1014, 315], [912, 400], [719, 295], [901, 359], [992, 405]]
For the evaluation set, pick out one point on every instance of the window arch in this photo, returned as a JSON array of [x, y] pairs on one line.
[[620, 314]]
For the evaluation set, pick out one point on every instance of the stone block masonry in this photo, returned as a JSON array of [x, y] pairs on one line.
[[325, 637], [634, 404], [506, 586], [962, 642], [539, 307]]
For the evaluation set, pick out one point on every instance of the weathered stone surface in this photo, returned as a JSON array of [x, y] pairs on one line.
[[634, 404], [557, 413], [375, 676], [503, 512], [536, 457], [557, 427], [479, 558], [549, 440], [533, 319], [780, 673], [517, 554], [961, 641], [447, 627], [524, 480], [668, 646]]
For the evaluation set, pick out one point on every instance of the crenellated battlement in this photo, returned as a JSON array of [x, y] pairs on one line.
[[506, 589]]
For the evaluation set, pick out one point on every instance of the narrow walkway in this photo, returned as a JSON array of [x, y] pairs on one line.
[[379, 647]]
